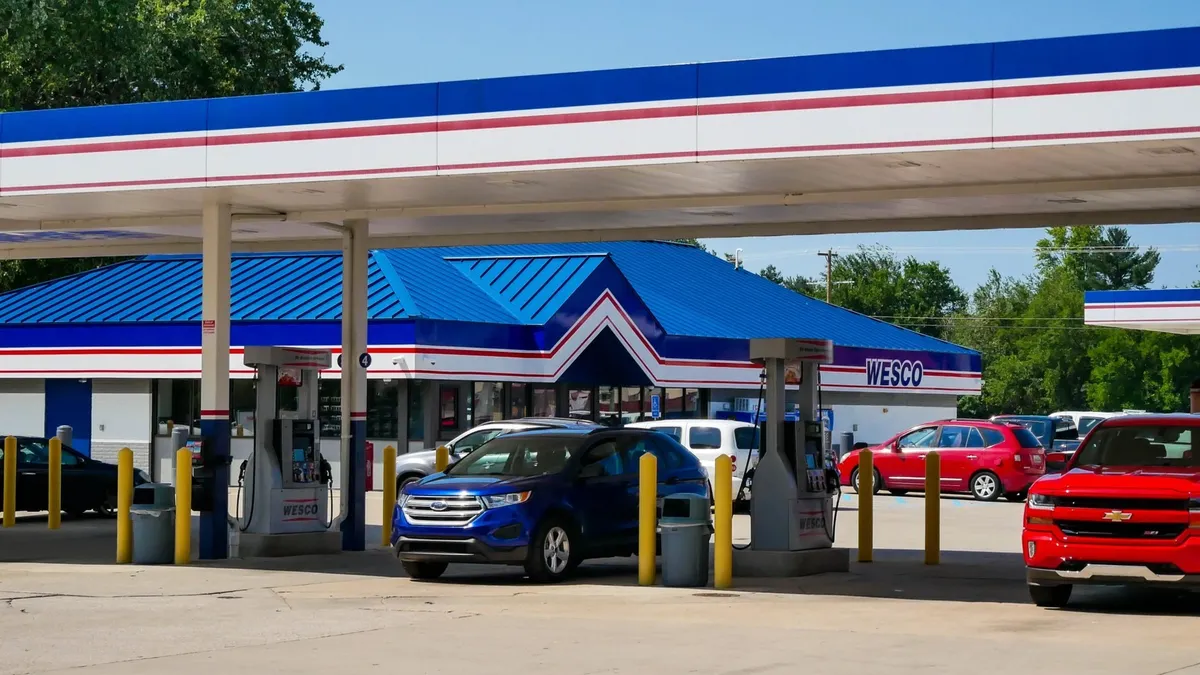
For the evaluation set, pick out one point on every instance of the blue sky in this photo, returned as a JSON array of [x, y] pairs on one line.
[[399, 41]]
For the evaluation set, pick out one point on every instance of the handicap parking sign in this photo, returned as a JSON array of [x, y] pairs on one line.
[[655, 406], [827, 418]]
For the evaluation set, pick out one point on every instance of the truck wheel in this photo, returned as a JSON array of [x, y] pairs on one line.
[[986, 486], [551, 551], [876, 486], [1050, 596], [424, 571]]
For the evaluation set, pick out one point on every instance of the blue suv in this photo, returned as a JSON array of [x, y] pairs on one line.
[[545, 499]]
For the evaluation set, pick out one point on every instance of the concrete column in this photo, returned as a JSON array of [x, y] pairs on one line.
[[214, 377], [354, 385]]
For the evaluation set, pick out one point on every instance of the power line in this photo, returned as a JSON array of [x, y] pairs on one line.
[[1083, 250]]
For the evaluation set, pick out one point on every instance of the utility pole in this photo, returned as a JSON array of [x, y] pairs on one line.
[[829, 256]]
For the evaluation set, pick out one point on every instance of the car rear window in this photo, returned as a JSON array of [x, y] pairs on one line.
[[746, 438], [704, 438], [1026, 438], [1142, 445]]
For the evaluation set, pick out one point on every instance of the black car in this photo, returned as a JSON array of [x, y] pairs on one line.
[[87, 484], [1057, 435]]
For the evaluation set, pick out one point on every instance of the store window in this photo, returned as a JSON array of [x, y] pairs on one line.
[[580, 404], [632, 409], [518, 401], [448, 408], [416, 409], [691, 403], [177, 403], [242, 402], [487, 404], [545, 402], [608, 404], [673, 405], [329, 408], [383, 409]]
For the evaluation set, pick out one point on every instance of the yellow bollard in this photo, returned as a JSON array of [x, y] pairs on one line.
[[441, 459], [647, 518], [723, 523], [170, 428], [54, 489], [124, 501], [183, 506], [10, 481], [389, 493], [933, 508], [866, 506]]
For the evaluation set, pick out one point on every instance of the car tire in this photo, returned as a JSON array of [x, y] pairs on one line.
[[552, 550], [898, 493], [423, 570], [875, 487], [1050, 596], [406, 479], [108, 508], [1015, 496], [986, 486]]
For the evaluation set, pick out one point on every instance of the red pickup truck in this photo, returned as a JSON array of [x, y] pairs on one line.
[[1126, 509]]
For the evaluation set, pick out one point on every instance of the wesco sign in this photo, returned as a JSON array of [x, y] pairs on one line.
[[894, 373]]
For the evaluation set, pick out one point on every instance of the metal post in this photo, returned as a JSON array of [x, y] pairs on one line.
[[723, 523], [54, 491], [65, 434], [354, 385], [179, 439], [389, 493], [183, 506], [647, 518], [214, 381], [866, 506], [124, 502], [933, 508], [10, 481]]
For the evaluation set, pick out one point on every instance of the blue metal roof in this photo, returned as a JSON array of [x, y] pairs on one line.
[[689, 292]]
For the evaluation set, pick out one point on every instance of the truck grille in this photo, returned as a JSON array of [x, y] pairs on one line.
[[442, 511], [1123, 503], [1076, 528]]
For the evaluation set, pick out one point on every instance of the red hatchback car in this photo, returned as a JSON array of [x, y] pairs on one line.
[[986, 459]]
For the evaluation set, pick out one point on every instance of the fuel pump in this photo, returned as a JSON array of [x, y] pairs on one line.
[[287, 481], [792, 507]]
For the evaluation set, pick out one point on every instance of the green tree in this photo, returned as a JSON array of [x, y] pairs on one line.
[[68, 53], [915, 294], [1098, 258], [797, 283]]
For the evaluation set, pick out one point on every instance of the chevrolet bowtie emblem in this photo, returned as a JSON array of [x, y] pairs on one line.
[[1117, 516]]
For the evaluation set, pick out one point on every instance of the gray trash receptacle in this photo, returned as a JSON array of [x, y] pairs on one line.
[[686, 528], [153, 518]]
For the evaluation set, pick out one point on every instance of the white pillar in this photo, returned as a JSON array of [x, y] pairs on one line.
[[214, 380], [354, 384]]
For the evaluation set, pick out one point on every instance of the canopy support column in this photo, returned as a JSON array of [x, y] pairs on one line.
[[354, 384], [217, 232]]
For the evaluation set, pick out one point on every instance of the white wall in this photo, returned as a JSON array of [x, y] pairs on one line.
[[22, 407], [121, 418], [877, 423]]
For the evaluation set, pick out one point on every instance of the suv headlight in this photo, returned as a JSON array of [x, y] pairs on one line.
[[496, 501], [1040, 501], [403, 498]]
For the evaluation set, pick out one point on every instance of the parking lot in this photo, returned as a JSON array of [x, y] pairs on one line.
[[359, 613]]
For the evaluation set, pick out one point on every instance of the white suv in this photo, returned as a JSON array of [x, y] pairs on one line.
[[709, 439], [413, 466]]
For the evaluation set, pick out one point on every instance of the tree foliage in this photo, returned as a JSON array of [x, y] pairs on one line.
[[69, 53], [1038, 356]]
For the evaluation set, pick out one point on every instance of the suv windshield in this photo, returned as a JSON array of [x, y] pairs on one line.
[[519, 456], [1148, 445]]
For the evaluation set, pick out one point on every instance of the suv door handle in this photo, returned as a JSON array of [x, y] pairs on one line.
[[972, 456]]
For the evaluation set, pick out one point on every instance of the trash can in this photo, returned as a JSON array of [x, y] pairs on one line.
[[153, 518], [847, 444], [686, 529]]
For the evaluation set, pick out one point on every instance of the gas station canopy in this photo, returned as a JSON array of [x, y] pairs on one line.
[[1172, 310], [1095, 129]]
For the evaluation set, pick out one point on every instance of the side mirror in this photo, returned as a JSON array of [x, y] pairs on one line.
[[895, 446]]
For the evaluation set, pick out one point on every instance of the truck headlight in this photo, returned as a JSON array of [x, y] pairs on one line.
[[1040, 501], [496, 501]]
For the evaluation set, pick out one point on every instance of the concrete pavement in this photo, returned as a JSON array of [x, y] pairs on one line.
[[358, 613]]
